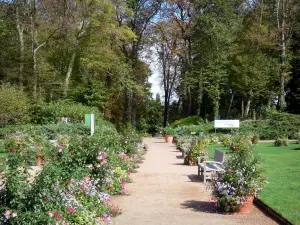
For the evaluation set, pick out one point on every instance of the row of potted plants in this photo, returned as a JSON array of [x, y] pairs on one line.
[[234, 189]]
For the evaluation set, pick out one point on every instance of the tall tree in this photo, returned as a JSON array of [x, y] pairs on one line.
[[168, 49], [144, 12]]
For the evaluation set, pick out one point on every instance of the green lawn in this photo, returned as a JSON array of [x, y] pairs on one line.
[[282, 166]]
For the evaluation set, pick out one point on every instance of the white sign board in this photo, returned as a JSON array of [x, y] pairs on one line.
[[92, 124], [227, 123]]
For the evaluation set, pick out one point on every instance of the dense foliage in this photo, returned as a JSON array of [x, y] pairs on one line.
[[77, 179]]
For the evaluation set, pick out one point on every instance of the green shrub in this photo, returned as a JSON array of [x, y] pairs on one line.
[[14, 105], [50, 131], [194, 129], [281, 142], [169, 131], [200, 149], [46, 113], [255, 139], [276, 124], [192, 120]]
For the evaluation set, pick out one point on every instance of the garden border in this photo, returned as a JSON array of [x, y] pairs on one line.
[[270, 212]]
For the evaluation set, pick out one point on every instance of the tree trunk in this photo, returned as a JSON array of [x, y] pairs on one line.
[[242, 108], [216, 109], [166, 109], [69, 72], [190, 101], [34, 47], [126, 106], [200, 96], [247, 109], [72, 61], [282, 57], [133, 108], [230, 105], [20, 29]]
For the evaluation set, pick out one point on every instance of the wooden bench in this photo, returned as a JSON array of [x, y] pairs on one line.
[[206, 168]]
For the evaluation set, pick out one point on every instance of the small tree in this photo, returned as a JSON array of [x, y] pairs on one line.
[[14, 105]]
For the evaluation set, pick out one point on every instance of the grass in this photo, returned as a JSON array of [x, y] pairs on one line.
[[282, 166]]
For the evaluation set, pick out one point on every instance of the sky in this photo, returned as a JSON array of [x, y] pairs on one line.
[[151, 60]]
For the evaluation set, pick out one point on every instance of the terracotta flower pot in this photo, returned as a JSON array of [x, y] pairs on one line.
[[169, 138], [247, 207], [39, 160]]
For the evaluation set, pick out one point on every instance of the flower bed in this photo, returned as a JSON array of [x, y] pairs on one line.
[[76, 182]]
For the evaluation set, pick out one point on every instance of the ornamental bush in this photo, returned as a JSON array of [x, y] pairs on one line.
[[281, 141], [76, 182], [192, 120], [47, 113], [14, 106], [275, 125]]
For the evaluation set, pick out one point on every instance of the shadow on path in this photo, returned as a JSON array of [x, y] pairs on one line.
[[178, 164], [193, 178], [200, 206]]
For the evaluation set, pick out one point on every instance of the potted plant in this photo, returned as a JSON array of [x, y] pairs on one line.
[[241, 181], [169, 132], [39, 142]]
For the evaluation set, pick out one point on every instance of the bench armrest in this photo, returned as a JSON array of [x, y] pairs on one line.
[[199, 159]]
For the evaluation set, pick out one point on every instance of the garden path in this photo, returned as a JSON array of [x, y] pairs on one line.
[[165, 192]]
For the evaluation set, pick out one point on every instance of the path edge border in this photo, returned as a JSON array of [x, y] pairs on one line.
[[270, 212]]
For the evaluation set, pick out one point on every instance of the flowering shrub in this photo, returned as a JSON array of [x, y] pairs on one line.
[[241, 142], [241, 179], [75, 184], [226, 140]]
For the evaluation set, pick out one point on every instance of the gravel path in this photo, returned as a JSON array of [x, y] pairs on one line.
[[165, 192]]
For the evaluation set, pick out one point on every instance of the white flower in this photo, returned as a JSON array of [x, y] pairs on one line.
[[90, 166]]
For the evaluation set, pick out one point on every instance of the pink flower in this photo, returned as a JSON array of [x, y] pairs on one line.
[[229, 170], [72, 211], [82, 191], [90, 166], [57, 185], [100, 157], [7, 214], [56, 214], [60, 150]]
